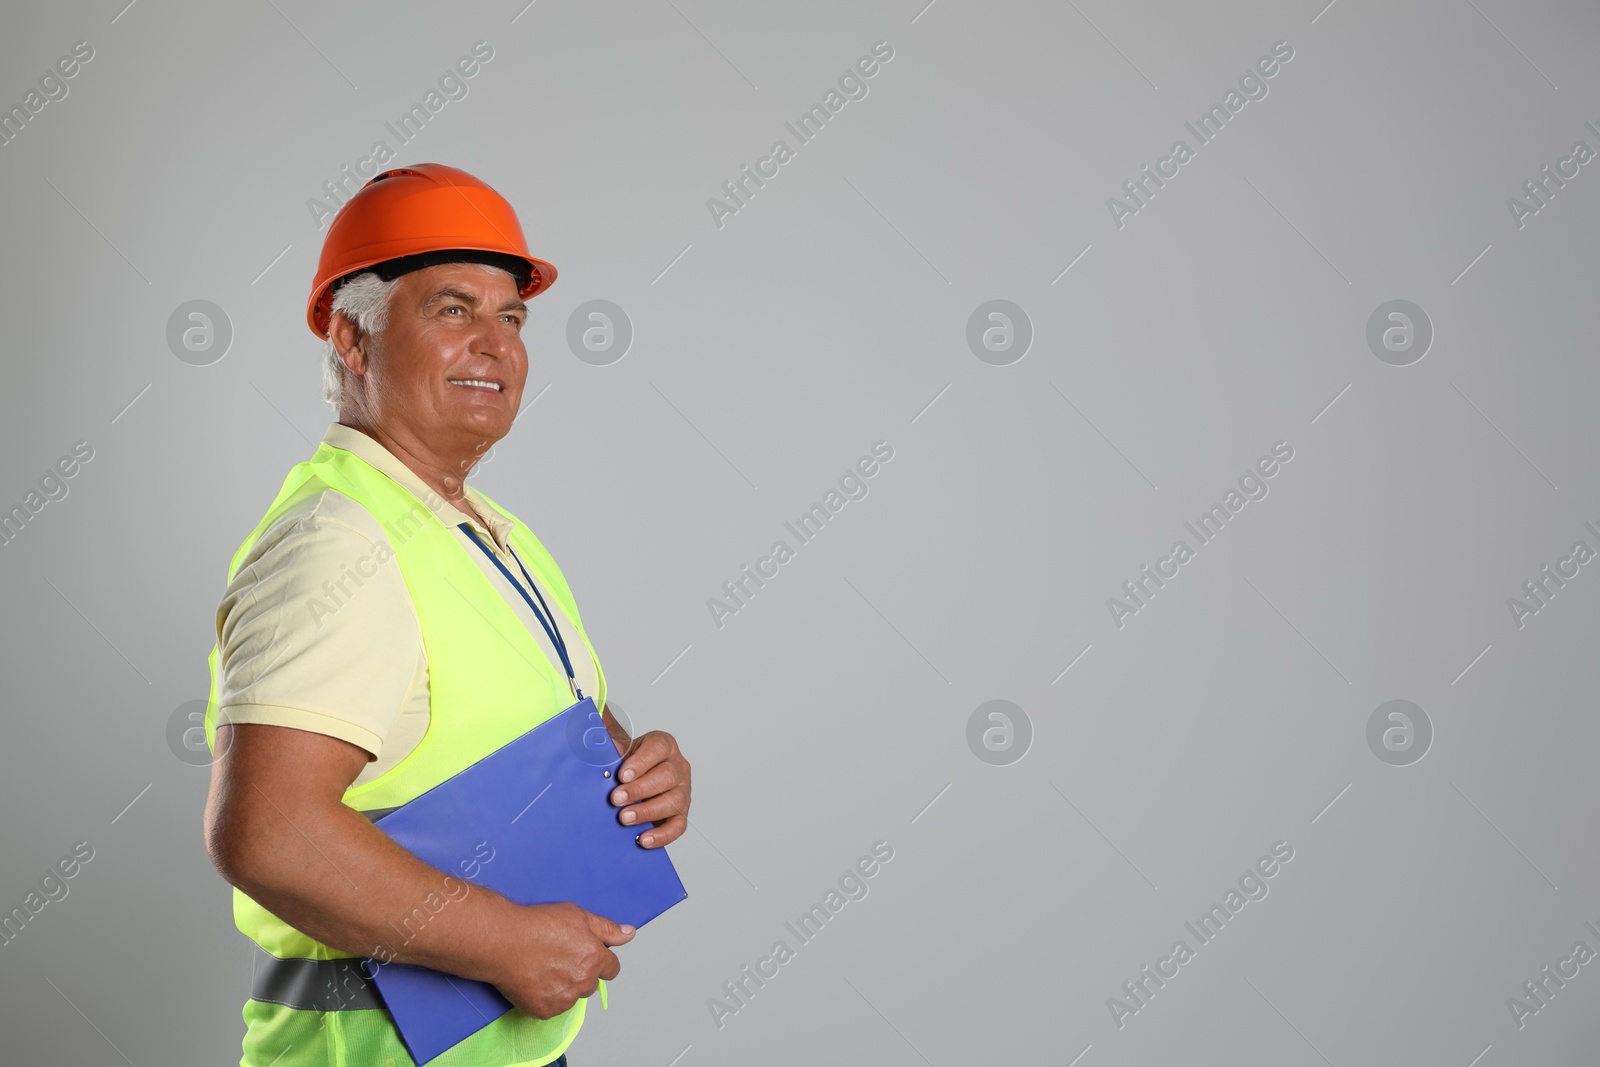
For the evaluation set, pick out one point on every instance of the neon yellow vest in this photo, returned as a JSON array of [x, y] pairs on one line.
[[488, 683]]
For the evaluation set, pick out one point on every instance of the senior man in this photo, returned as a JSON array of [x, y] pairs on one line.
[[385, 626]]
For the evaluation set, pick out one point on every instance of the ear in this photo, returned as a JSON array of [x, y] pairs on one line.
[[349, 342]]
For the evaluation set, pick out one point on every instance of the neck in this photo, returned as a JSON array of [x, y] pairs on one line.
[[444, 474]]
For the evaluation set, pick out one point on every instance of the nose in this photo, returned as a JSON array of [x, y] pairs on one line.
[[497, 339], [500, 342]]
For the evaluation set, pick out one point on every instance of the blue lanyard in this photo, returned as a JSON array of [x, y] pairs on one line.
[[546, 617]]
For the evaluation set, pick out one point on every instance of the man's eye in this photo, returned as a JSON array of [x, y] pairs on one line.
[[455, 307]]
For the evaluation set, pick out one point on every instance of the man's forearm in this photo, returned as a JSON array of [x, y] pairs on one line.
[[334, 876]]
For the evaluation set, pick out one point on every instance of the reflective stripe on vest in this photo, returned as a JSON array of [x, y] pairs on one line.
[[489, 682], [314, 985], [322, 985]]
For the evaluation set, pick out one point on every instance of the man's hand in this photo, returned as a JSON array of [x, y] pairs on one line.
[[655, 787], [554, 954]]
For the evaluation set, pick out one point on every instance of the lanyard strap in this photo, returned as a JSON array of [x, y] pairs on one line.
[[546, 617]]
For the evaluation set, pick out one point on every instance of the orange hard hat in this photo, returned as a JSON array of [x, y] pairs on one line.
[[419, 216]]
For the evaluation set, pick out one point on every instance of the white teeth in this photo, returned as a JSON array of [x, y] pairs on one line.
[[478, 383]]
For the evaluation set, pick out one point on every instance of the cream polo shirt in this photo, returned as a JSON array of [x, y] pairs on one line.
[[317, 634]]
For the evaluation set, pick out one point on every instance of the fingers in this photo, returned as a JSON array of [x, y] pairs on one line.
[[612, 967], [656, 809], [648, 751], [609, 932], [664, 832], [659, 779], [654, 781]]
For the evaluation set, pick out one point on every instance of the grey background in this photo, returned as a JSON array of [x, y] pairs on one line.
[[832, 711]]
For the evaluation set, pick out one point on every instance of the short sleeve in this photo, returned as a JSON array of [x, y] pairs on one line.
[[317, 631]]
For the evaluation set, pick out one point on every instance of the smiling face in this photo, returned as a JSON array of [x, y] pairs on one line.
[[443, 381]]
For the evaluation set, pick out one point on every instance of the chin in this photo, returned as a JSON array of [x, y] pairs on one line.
[[490, 424]]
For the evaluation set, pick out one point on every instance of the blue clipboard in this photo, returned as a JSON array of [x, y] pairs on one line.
[[541, 803]]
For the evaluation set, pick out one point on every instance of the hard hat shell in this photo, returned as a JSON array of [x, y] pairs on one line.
[[406, 211]]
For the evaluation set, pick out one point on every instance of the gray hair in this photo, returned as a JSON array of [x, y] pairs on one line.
[[364, 300]]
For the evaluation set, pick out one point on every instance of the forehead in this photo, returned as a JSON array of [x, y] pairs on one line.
[[490, 283]]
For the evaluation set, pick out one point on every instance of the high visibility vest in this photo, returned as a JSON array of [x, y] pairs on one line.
[[488, 683]]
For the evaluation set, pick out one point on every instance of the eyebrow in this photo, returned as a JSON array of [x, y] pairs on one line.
[[471, 300]]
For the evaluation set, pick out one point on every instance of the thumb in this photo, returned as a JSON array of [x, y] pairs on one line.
[[610, 933]]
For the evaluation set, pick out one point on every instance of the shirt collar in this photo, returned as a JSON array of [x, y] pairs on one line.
[[367, 448]]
